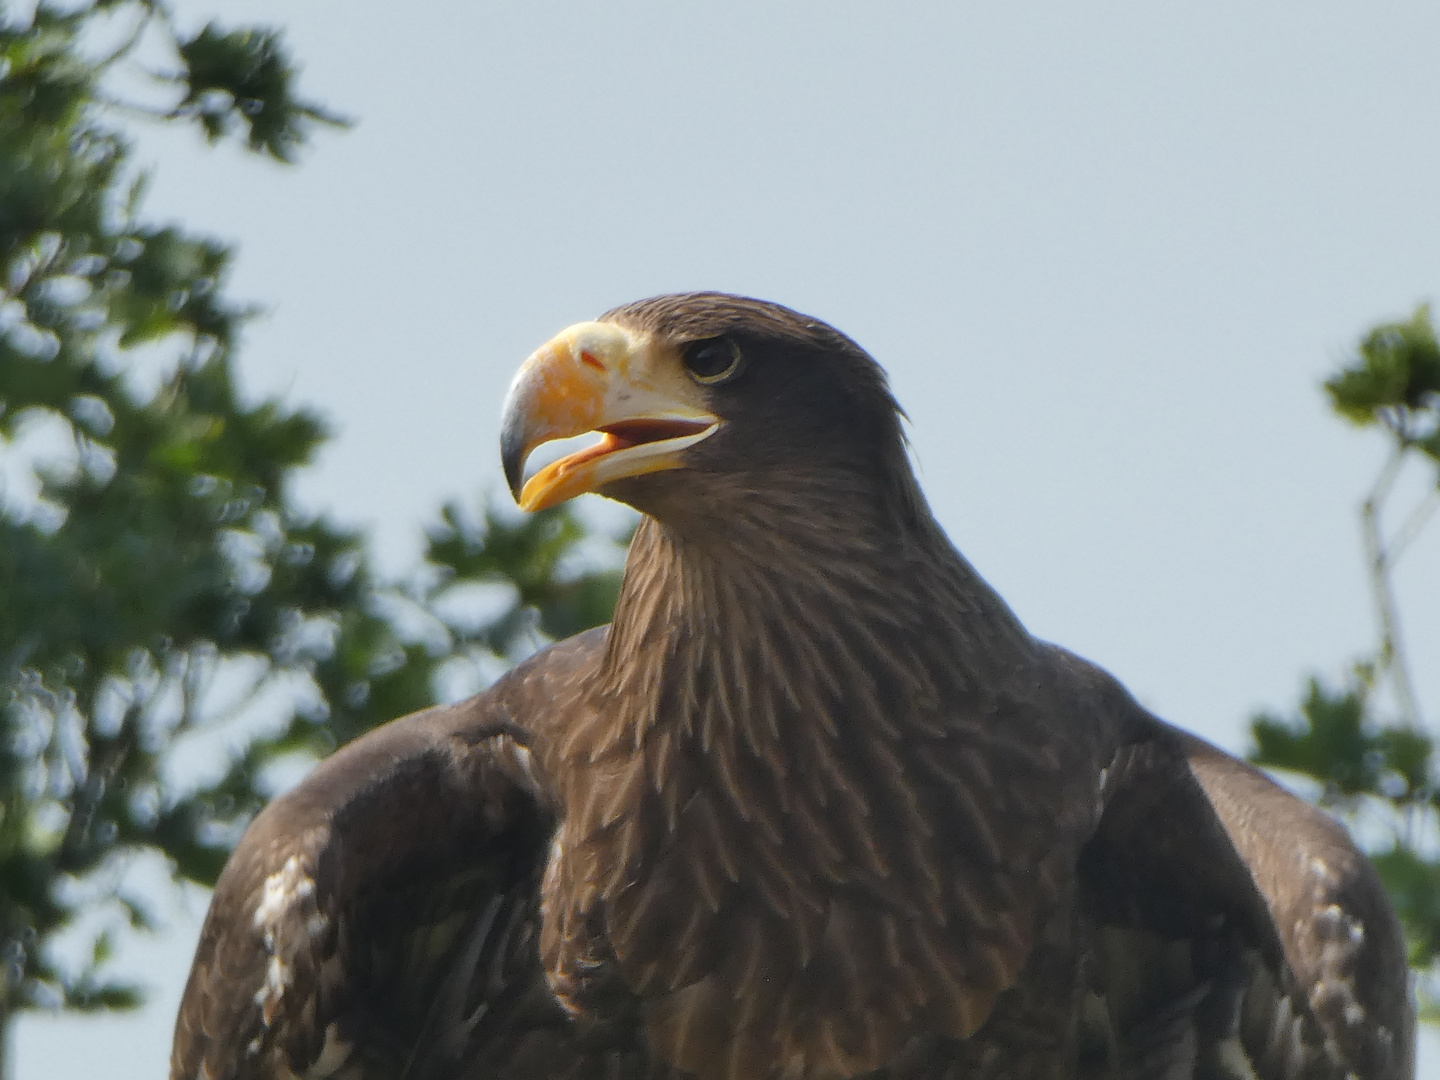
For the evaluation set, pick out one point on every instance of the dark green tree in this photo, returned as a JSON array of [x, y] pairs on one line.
[[159, 587], [1364, 742]]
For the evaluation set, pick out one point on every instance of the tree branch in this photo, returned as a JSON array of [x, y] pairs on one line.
[[1391, 660], [1414, 525]]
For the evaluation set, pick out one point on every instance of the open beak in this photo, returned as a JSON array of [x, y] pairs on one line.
[[595, 377]]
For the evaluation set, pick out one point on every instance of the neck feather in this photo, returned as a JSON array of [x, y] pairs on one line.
[[794, 599], [784, 713], [773, 666]]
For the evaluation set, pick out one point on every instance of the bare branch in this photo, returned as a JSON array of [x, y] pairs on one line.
[[1392, 660], [127, 46], [1414, 525]]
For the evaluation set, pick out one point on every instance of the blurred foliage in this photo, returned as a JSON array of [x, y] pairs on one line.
[[159, 588], [1366, 742], [1395, 383]]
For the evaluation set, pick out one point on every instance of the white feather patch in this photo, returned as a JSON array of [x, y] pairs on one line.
[[287, 919]]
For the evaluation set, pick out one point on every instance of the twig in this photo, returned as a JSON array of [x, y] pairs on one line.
[[1392, 653], [1413, 526], [128, 45], [134, 108]]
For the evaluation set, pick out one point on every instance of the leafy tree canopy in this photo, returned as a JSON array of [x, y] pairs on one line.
[[159, 586]]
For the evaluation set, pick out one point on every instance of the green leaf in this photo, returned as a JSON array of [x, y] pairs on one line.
[[1413, 883], [1330, 741], [1407, 755], [243, 78], [1398, 368]]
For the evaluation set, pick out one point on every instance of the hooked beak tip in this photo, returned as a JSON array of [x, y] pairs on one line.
[[512, 455]]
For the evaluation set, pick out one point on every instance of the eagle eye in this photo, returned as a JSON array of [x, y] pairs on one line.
[[714, 360]]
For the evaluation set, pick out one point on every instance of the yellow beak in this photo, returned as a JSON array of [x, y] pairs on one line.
[[595, 377]]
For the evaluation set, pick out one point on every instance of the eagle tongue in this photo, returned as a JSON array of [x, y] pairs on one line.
[[627, 433]]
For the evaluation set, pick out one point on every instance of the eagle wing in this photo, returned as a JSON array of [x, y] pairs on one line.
[[1290, 957], [380, 919], [1342, 943]]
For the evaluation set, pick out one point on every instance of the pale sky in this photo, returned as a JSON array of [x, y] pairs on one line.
[[1107, 252]]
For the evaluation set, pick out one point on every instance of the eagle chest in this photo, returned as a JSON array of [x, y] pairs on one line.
[[824, 914]]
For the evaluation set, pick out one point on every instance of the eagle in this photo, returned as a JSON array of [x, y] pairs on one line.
[[815, 804]]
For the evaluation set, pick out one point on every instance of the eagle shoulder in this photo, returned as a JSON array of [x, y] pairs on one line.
[[391, 894]]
